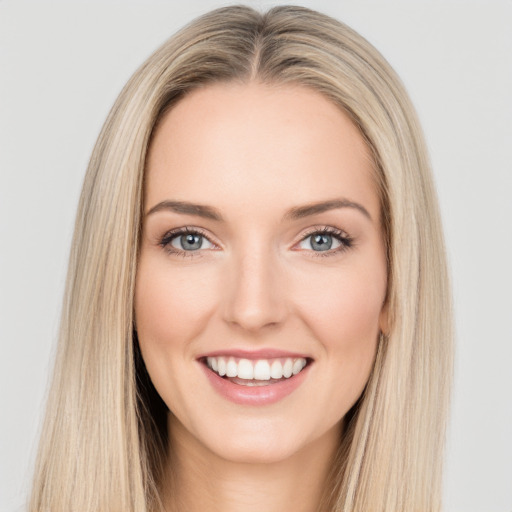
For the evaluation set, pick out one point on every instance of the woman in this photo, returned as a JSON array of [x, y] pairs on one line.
[[257, 311]]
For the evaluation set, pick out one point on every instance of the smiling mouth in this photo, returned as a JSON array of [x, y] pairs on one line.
[[260, 372]]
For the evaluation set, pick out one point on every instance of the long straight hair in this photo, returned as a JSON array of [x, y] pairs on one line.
[[103, 443]]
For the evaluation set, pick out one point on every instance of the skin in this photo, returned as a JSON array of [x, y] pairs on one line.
[[253, 152]]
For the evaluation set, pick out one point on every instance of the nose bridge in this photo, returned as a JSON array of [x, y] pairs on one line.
[[255, 297]]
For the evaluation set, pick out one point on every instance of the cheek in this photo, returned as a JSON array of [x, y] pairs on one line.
[[343, 311], [345, 305], [344, 319], [171, 306]]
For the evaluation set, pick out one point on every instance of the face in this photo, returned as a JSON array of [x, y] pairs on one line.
[[262, 259]]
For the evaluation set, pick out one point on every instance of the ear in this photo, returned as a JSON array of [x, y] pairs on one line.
[[384, 318]]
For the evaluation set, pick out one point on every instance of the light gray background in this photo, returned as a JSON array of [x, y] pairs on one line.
[[63, 64]]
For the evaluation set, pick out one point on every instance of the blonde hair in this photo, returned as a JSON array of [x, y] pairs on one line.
[[103, 441]]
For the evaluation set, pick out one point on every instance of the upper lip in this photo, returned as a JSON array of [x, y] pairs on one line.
[[264, 353]]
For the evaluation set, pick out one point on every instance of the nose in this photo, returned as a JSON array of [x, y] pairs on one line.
[[255, 297]]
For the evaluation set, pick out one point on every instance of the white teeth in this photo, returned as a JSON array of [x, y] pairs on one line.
[[231, 368], [288, 368], [297, 366], [260, 370], [245, 369], [276, 370], [221, 366]]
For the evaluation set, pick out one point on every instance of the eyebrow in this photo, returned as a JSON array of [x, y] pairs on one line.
[[298, 212], [311, 209], [199, 210]]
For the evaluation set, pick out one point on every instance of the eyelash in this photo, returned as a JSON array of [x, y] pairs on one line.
[[346, 242], [165, 243]]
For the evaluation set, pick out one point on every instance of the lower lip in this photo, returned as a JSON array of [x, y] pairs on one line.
[[254, 395]]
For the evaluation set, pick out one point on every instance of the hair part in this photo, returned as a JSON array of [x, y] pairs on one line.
[[104, 437]]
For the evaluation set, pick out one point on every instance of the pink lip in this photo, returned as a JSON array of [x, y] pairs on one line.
[[268, 353], [254, 395]]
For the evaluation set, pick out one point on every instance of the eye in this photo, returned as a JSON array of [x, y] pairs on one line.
[[185, 240], [327, 240], [320, 242], [191, 242]]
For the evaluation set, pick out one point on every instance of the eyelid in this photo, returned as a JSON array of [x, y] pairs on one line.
[[166, 239], [346, 241], [322, 228]]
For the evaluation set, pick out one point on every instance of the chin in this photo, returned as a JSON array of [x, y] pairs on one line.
[[264, 451], [261, 442]]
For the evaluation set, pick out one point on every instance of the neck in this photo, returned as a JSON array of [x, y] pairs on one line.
[[198, 480]]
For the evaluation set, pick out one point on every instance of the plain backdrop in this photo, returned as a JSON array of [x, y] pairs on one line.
[[63, 64]]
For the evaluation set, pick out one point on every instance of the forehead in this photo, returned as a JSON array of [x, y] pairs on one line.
[[255, 146]]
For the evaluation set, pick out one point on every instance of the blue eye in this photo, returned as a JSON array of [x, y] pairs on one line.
[[321, 242], [324, 242], [328, 240], [183, 241], [190, 242]]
